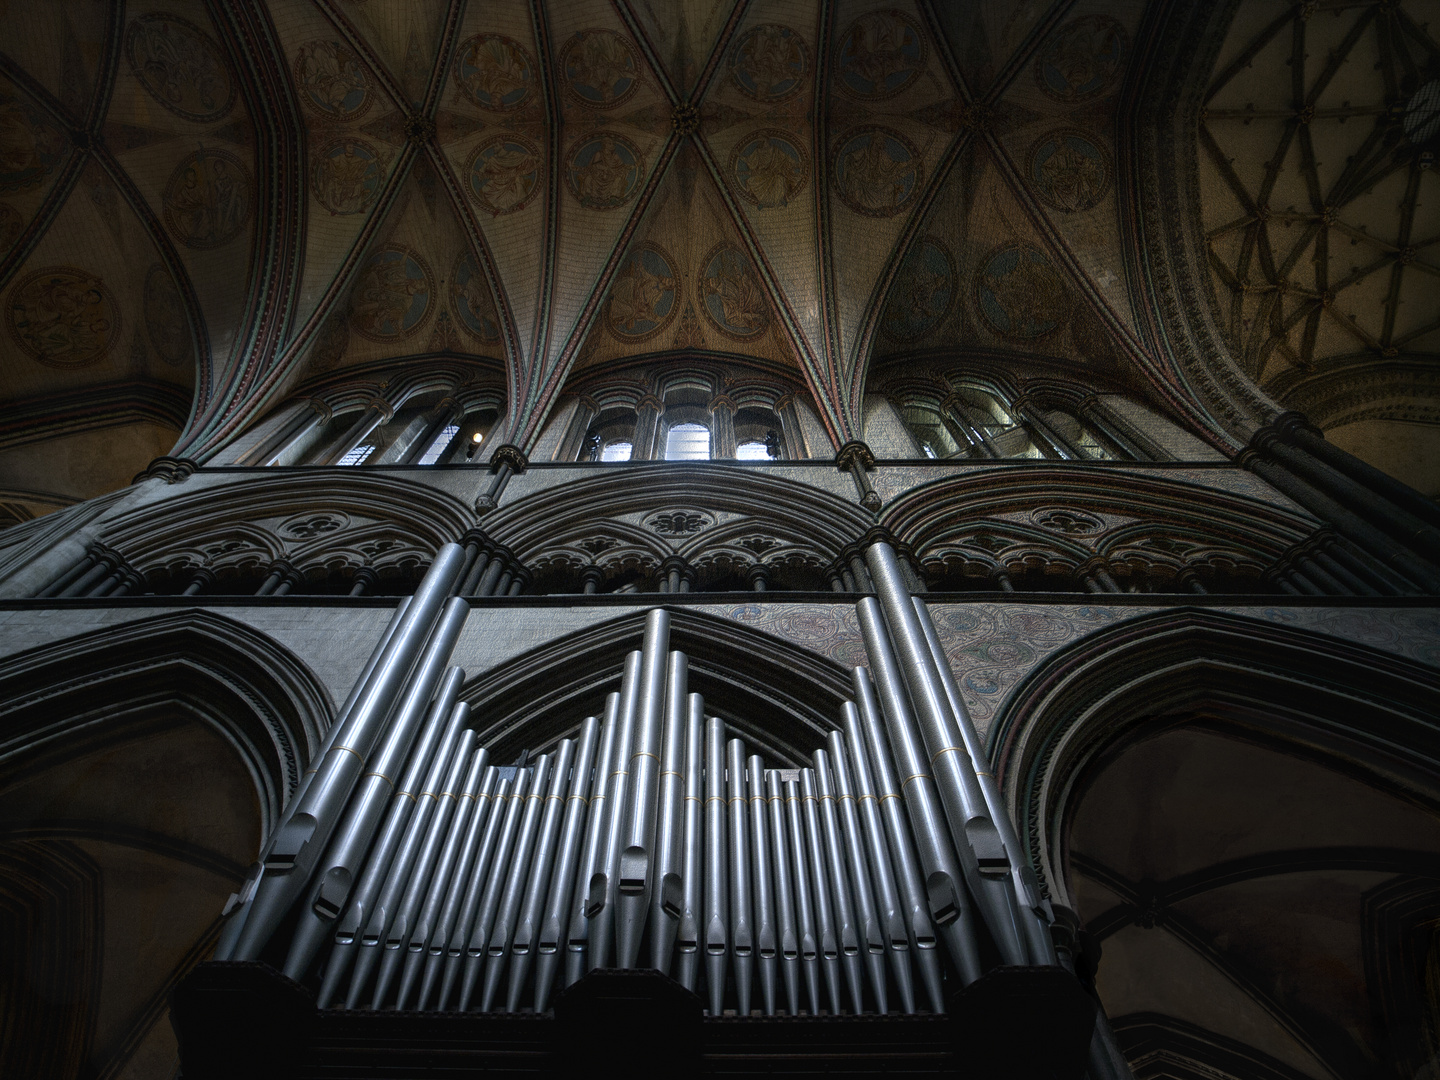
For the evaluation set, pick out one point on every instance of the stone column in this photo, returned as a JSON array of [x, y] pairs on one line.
[[304, 418], [955, 410], [371, 417], [722, 427], [444, 414], [856, 459], [647, 429], [572, 446], [790, 430]]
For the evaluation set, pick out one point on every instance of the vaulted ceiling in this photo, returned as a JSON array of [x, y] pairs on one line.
[[206, 205]]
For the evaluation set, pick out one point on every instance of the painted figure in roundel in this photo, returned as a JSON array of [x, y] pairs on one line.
[[331, 80], [731, 295], [642, 297], [494, 72], [470, 296], [877, 171], [600, 68], [922, 293], [881, 54], [30, 146], [165, 322], [504, 174], [181, 67], [208, 199], [347, 176], [63, 317], [769, 168], [392, 297], [1069, 171], [1082, 59], [604, 170], [769, 62], [1020, 294], [12, 224]]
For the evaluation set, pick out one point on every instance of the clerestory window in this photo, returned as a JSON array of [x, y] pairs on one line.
[[688, 442]]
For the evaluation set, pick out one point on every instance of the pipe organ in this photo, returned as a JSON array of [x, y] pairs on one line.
[[413, 872]]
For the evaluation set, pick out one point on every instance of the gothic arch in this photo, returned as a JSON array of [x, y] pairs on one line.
[[1010, 514], [425, 517], [1333, 701], [780, 698], [825, 522], [61, 698]]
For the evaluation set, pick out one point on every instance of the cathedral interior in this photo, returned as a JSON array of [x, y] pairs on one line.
[[913, 520]]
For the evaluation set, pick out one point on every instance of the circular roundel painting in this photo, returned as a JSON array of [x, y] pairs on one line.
[[494, 72], [603, 170], [643, 294], [877, 171], [1069, 171], [504, 174], [32, 146], [392, 297], [1082, 59], [731, 294], [347, 176], [165, 322], [769, 62], [63, 317], [208, 199], [180, 66], [881, 54], [470, 297], [923, 291], [600, 69], [769, 167], [331, 80], [1020, 294]]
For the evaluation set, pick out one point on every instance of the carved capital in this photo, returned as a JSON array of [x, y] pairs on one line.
[[511, 455], [854, 453], [170, 469]]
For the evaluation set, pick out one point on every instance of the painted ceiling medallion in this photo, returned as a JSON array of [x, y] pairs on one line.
[[1069, 170], [600, 69], [63, 317], [603, 170], [181, 67], [494, 72], [208, 199], [769, 63], [393, 295], [348, 173], [1082, 59], [331, 342], [165, 323], [332, 81], [504, 174], [470, 297], [877, 171], [1020, 294], [881, 54], [770, 168], [32, 145], [731, 294], [643, 295], [923, 291]]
